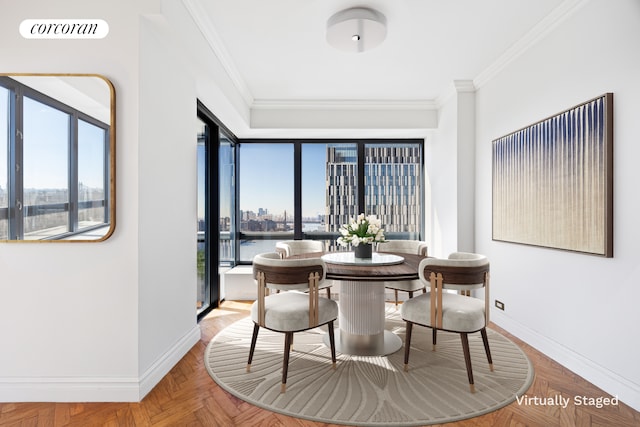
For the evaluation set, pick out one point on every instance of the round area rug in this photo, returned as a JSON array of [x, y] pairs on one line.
[[366, 390]]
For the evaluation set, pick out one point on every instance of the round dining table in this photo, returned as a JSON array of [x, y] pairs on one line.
[[361, 298]]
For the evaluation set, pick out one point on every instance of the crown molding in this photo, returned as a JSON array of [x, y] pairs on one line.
[[537, 33], [464, 86], [206, 27], [458, 86], [533, 36]]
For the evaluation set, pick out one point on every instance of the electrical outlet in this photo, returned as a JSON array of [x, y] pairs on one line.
[[500, 305]]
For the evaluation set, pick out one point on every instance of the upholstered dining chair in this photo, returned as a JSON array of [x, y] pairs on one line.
[[290, 312], [288, 248], [406, 247], [448, 311], [295, 247]]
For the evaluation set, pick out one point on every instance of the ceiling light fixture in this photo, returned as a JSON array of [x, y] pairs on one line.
[[356, 29]]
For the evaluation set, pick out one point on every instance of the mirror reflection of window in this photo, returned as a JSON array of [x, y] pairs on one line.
[[55, 162], [45, 170], [91, 174], [4, 150]]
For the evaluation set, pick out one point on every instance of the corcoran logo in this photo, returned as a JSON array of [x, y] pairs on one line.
[[64, 28]]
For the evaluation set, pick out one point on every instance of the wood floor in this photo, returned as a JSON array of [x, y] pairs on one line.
[[187, 396]]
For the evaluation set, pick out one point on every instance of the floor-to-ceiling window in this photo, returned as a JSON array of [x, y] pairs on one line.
[[216, 206], [204, 289], [295, 189]]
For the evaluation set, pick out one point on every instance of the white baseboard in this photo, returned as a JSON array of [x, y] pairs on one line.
[[48, 389], [610, 382], [152, 376], [86, 389]]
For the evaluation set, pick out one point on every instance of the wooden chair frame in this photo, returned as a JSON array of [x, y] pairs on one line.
[[284, 249]]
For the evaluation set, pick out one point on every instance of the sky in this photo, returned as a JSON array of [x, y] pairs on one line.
[[266, 178], [45, 148]]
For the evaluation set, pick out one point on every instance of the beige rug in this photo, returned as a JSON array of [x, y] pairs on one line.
[[369, 391]]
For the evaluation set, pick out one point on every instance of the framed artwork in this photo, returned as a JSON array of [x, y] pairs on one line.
[[553, 181]]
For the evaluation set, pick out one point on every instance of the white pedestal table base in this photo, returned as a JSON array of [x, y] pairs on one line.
[[361, 321]]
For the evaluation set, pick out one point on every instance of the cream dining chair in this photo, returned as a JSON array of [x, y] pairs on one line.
[[290, 312], [448, 311], [406, 247], [289, 248]]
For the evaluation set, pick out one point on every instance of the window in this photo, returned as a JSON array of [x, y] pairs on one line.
[[54, 173], [308, 189], [216, 207], [202, 264], [266, 197], [393, 190], [226, 197], [324, 169]]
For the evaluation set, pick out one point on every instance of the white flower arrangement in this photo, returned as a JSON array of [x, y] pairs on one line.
[[361, 230]]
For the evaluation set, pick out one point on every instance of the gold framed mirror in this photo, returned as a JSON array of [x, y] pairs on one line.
[[57, 158]]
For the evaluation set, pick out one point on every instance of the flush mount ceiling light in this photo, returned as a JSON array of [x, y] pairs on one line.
[[356, 29]]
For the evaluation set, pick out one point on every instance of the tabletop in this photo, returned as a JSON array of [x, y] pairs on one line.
[[408, 270]]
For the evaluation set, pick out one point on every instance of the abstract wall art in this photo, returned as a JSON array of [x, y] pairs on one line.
[[553, 181]]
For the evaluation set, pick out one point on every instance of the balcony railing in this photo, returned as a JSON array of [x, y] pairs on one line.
[[50, 220]]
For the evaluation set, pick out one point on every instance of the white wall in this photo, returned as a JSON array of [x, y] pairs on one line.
[[167, 203], [441, 180], [68, 312], [106, 321], [581, 310], [450, 175]]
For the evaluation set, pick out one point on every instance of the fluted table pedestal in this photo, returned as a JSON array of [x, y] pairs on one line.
[[361, 321], [362, 304]]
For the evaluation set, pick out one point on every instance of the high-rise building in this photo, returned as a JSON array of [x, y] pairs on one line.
[[393, 190], [341, 183]]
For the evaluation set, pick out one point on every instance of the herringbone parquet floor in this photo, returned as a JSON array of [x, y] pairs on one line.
[[187, 396]]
